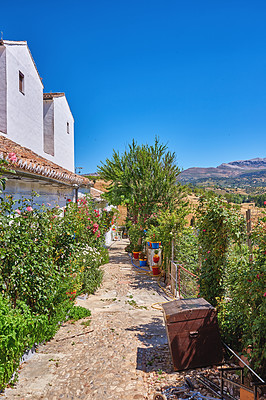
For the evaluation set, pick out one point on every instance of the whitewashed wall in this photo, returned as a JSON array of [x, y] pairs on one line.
[[3, 94], [63, 141], [25, 118], [48, 127], [47, 193], [24, 111]]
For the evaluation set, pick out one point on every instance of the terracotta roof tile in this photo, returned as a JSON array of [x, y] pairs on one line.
[[29, 161], [50, 96], [95, 193]]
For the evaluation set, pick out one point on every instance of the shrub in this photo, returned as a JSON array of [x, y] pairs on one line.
[[43, 259], [218, 225]]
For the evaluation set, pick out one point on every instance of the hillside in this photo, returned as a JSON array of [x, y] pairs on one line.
[[241, 173]]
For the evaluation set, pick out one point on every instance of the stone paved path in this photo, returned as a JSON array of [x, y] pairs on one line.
[[121, 354]]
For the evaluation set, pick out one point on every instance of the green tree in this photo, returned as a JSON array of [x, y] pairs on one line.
[[143, 178]]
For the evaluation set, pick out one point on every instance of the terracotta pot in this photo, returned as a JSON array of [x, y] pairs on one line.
[[156, 258], [136, 255], [155, 270]]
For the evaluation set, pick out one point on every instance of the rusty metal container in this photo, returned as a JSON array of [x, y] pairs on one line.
[[193, 333]]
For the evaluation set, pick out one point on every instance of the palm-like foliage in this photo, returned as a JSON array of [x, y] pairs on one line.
[[143, 178]]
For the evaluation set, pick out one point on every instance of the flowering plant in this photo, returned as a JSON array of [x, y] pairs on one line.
[[153, 234]]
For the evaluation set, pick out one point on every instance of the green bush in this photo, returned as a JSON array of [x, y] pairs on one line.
[[21, 330], [242, 312], [45, 260], [219, 224]]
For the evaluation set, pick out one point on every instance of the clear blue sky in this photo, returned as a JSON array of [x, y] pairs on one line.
[[192, 72]]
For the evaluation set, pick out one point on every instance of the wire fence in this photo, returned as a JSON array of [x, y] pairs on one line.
[[183, 283]]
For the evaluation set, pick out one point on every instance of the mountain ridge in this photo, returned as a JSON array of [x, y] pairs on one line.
[[233, 169]]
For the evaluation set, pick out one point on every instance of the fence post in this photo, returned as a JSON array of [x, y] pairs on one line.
[[173, 249], [179, 289], [248, 219], [171, 276], [173, 269]]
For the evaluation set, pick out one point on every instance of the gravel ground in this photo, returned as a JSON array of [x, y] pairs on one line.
[[121, 352]]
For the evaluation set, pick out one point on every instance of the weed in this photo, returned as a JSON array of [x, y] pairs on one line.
[[86, 323]]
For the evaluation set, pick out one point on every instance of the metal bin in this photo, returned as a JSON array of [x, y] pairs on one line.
[[193, 333]]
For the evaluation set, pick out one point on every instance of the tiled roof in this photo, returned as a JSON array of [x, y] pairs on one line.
[[96, 194], [50, 96], [28, 161]]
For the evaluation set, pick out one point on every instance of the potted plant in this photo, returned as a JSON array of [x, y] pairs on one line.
[[154, 237], [156, 257], [142, 259], [136, 251]]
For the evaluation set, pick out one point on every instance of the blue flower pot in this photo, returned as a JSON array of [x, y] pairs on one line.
[[155, 245], [142, 263]]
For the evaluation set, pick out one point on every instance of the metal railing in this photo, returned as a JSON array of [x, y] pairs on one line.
[[183, 282]]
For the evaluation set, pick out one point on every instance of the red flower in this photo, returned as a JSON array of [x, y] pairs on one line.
[[12, 157]]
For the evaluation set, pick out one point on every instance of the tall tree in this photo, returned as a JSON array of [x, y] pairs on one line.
[[143, 178]]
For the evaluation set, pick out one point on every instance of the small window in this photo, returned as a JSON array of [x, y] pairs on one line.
[[21, 82], [68, 127]]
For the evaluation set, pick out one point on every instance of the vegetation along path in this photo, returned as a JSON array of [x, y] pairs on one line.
[[120, 355]]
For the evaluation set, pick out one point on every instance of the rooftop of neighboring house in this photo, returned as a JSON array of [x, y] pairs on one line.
[[96, 194], [30, 162], [50, 96]]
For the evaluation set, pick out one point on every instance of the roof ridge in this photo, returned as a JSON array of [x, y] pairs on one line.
[[22, 43]]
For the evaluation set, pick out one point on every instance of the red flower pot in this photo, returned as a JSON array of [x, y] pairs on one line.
[[155, 270], [156, 258], [136, 255]]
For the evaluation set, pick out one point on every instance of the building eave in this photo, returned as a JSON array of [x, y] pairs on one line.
[[30, 162]]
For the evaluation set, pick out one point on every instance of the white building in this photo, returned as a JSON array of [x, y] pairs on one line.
[[37, 126], [39, 121]]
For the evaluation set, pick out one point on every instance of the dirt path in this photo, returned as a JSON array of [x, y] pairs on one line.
[[120, 355]]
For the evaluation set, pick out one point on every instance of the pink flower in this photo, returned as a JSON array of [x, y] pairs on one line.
[[258, 276], [12, 157], [249, 280], [208, 251], [29, 208], [264, 202], [264, 294], [18, 211], [98, 234], [204, 230]]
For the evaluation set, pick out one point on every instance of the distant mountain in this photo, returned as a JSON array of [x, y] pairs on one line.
[[242, 170]]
